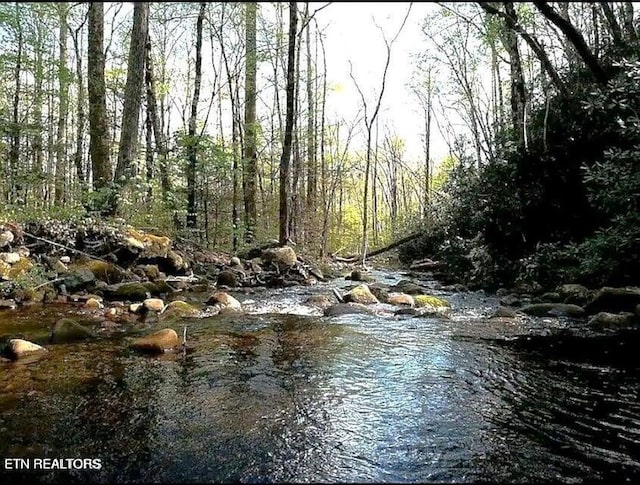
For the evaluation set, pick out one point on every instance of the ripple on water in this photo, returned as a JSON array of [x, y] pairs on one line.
[[296, 397]]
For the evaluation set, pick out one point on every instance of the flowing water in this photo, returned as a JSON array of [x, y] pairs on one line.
[[282, 394]]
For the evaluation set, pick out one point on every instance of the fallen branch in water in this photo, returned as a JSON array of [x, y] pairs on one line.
[[393, 245]]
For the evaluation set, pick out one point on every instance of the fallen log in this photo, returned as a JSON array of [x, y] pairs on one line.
[[389, 247]]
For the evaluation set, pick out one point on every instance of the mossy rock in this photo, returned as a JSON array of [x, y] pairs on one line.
[[430, 301], [104, 271], [68, 330], [179, 308], [13, 271], [126, 291], [360, 294], [78, 278]]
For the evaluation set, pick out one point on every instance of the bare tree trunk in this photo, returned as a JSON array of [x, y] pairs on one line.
[[152, 113], [286, 148], [80, 114], [312, 168], [63, 80], [250, 154], [518, 94], [192, 142], [132, 100], [575, 37], [612, 22], [629, 29], [98, 124], [14, 153]]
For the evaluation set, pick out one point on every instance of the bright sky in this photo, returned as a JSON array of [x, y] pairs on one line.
[[352, 35]]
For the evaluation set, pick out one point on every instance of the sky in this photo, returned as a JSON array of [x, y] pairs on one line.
[[352, 35]]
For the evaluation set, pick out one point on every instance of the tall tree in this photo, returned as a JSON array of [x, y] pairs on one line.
[[369, 121], [132, 100], [98, 123], [286, 146], [250, 142], [192, 142], [63, 111], [576, 38]]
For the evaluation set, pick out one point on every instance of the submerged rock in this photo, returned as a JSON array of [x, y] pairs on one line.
[[345, 309], [68, 330], [553, 310], [157, 342], [17, 348]]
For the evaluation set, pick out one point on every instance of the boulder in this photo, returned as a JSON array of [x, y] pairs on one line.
[[614, 300], [9, 304], [17, 348], [573, 293], [410, 288], [103, 271], [430, 301], [339, 309], [14, 270], [551, 297], [126, 291], [284, 256], [78, 279], [360, 294], [157, 342], [358, 275], [605, 320], [235, 261], [93, 304], [68, 330], [153, 304], [179, 308], [10, 258], [553, 310], [227, 278], [224, 301], [400, 299], [379, 291]]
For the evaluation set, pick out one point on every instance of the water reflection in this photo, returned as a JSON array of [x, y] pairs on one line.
[[299, 398]]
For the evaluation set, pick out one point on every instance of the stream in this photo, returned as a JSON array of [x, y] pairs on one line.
[[283, 394]]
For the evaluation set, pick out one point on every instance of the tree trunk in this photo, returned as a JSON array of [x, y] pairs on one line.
[[286, 146], [132, 101], [98, 123], [311, 131], [575, 37], [250, 154], [14, 153], [63, 80], [192, 140], [80, 114], [518, 94], [612, 22], [152, 112], [629, 29]]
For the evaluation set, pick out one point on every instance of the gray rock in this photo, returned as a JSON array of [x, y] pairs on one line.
[[605, 320], [614, 300], [553, 310], [346, 309], [573, 293]]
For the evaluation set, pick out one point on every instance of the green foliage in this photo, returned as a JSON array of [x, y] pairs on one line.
[[564, 210]]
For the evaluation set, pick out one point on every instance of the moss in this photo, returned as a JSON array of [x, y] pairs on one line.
[[429, 300]]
